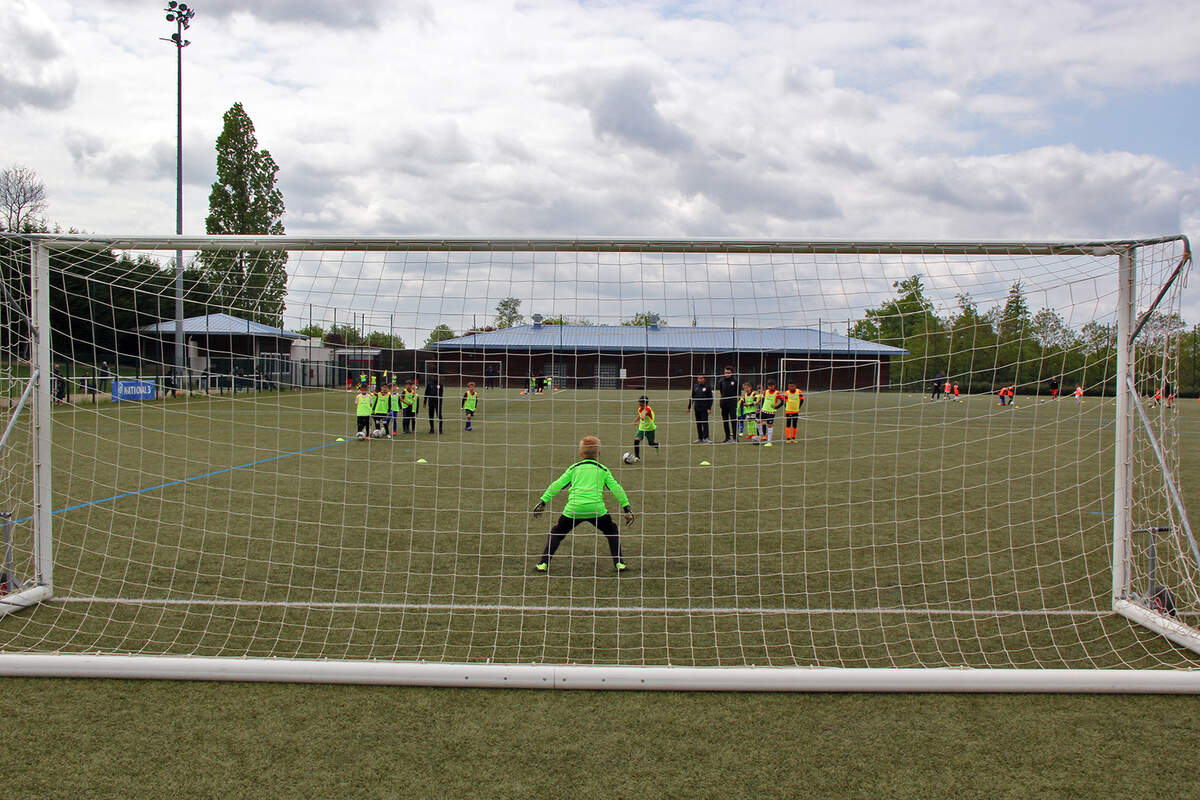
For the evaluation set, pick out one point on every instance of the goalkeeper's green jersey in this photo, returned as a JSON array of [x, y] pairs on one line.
[[587, 480]]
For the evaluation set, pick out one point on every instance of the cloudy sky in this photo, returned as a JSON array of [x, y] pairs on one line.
[[883, 120]]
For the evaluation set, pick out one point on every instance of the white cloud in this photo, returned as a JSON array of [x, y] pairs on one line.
[[623, 106], [778, 120], [35, 69]]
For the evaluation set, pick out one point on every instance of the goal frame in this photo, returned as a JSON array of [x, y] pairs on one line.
[[433, 367], [832, 363], [883, 679]]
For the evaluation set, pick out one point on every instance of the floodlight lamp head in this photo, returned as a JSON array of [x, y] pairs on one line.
[[183, 7], [170, 17], [172, 4]]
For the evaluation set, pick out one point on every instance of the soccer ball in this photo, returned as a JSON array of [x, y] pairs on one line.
[[360, 436], [377, 433], [630, 458]]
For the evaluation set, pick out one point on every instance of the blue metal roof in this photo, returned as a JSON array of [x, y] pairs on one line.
[[618, 338], [221, 325]]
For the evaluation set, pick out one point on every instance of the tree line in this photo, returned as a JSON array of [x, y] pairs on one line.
[[1009, 345]]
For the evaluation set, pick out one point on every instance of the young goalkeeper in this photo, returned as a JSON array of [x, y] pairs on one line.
[[587, 479]]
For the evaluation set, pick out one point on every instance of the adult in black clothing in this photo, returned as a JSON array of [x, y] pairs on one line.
[[701, 402], [727, 385], [434, 392], [936, 393]]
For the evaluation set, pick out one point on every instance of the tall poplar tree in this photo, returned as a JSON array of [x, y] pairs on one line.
[[245, 201]]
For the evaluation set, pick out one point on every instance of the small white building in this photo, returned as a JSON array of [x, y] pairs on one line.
[[314, 363]]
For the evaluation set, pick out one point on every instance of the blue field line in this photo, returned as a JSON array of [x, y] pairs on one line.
[[182, 480]]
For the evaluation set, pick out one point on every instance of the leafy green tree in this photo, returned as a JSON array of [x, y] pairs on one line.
[[344, 334], [1017, 353], [386, 340], [508, 313], [564, 320], [1161, 335], [312, 331], [1097, 357], [439, 334], [644, 319], [245, 200], [972, 347], [1189, 364], [909, 322], [1055, 339]]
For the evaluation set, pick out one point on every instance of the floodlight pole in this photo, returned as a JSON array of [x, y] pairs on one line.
[[181, 14]]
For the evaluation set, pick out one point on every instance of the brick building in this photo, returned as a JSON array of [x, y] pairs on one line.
[[662, 357]]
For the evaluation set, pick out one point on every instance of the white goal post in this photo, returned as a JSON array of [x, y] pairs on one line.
[[458, 372], [890, 544], [822, 372]]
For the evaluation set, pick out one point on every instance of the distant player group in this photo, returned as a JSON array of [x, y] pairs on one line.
[[748, 412], [387, 410], [1007, 395]]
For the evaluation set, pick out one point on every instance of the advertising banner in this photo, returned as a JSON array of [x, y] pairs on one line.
[[133, 390]]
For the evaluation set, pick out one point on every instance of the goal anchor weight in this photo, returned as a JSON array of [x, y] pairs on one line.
[[16, 594]]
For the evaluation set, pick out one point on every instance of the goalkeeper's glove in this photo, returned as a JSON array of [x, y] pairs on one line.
[[538, 508], [628, 515]]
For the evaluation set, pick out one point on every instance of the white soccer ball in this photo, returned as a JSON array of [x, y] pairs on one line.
[[377, 433], [360, 436], [629, 458]]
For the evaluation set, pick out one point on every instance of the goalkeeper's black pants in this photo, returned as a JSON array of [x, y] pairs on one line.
[[566, 524]]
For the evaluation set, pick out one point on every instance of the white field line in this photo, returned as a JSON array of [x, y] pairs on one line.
[[536, 609]]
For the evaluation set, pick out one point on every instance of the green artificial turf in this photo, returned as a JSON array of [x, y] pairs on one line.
[[895, 532], [886, 503]]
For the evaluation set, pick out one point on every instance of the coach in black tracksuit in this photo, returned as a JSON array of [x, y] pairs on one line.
[[727, 385], [701, 402], [434, 392]]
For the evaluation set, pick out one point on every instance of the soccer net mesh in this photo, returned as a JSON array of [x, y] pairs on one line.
[[943, 497]]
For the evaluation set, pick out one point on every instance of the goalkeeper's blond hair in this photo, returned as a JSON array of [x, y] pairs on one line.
[[589, 447]]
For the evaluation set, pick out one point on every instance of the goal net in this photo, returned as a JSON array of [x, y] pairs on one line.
[[458, 372], [183, 486], [828, 373]]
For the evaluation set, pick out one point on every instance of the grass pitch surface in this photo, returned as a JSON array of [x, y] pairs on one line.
[[894, 532]]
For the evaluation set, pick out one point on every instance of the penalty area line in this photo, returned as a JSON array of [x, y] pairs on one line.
[[537, 609], [169, 484]]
